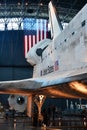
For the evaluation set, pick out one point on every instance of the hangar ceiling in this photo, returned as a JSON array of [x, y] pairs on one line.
[[39, 8]]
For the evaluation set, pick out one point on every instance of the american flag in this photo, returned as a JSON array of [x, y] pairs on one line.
[[35, 30], [29, 40], [56, 65]]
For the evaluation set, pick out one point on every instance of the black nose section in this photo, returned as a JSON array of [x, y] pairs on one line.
[[39, 51]]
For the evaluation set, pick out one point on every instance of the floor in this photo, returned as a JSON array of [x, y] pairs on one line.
[[24, 124]]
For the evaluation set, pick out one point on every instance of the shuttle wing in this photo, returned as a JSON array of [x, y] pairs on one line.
[[52, 85]]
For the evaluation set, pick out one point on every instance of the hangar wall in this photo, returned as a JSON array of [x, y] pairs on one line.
[[13, 65]]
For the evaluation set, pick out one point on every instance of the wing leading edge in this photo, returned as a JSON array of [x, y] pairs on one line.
[[52, 86]]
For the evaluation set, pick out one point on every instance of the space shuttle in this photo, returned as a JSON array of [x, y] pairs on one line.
[[60, 62], [62, 59]]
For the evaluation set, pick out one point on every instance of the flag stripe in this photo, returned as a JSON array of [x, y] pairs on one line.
[[25, 41], [29, 42], [33, 40], [42, 34]]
